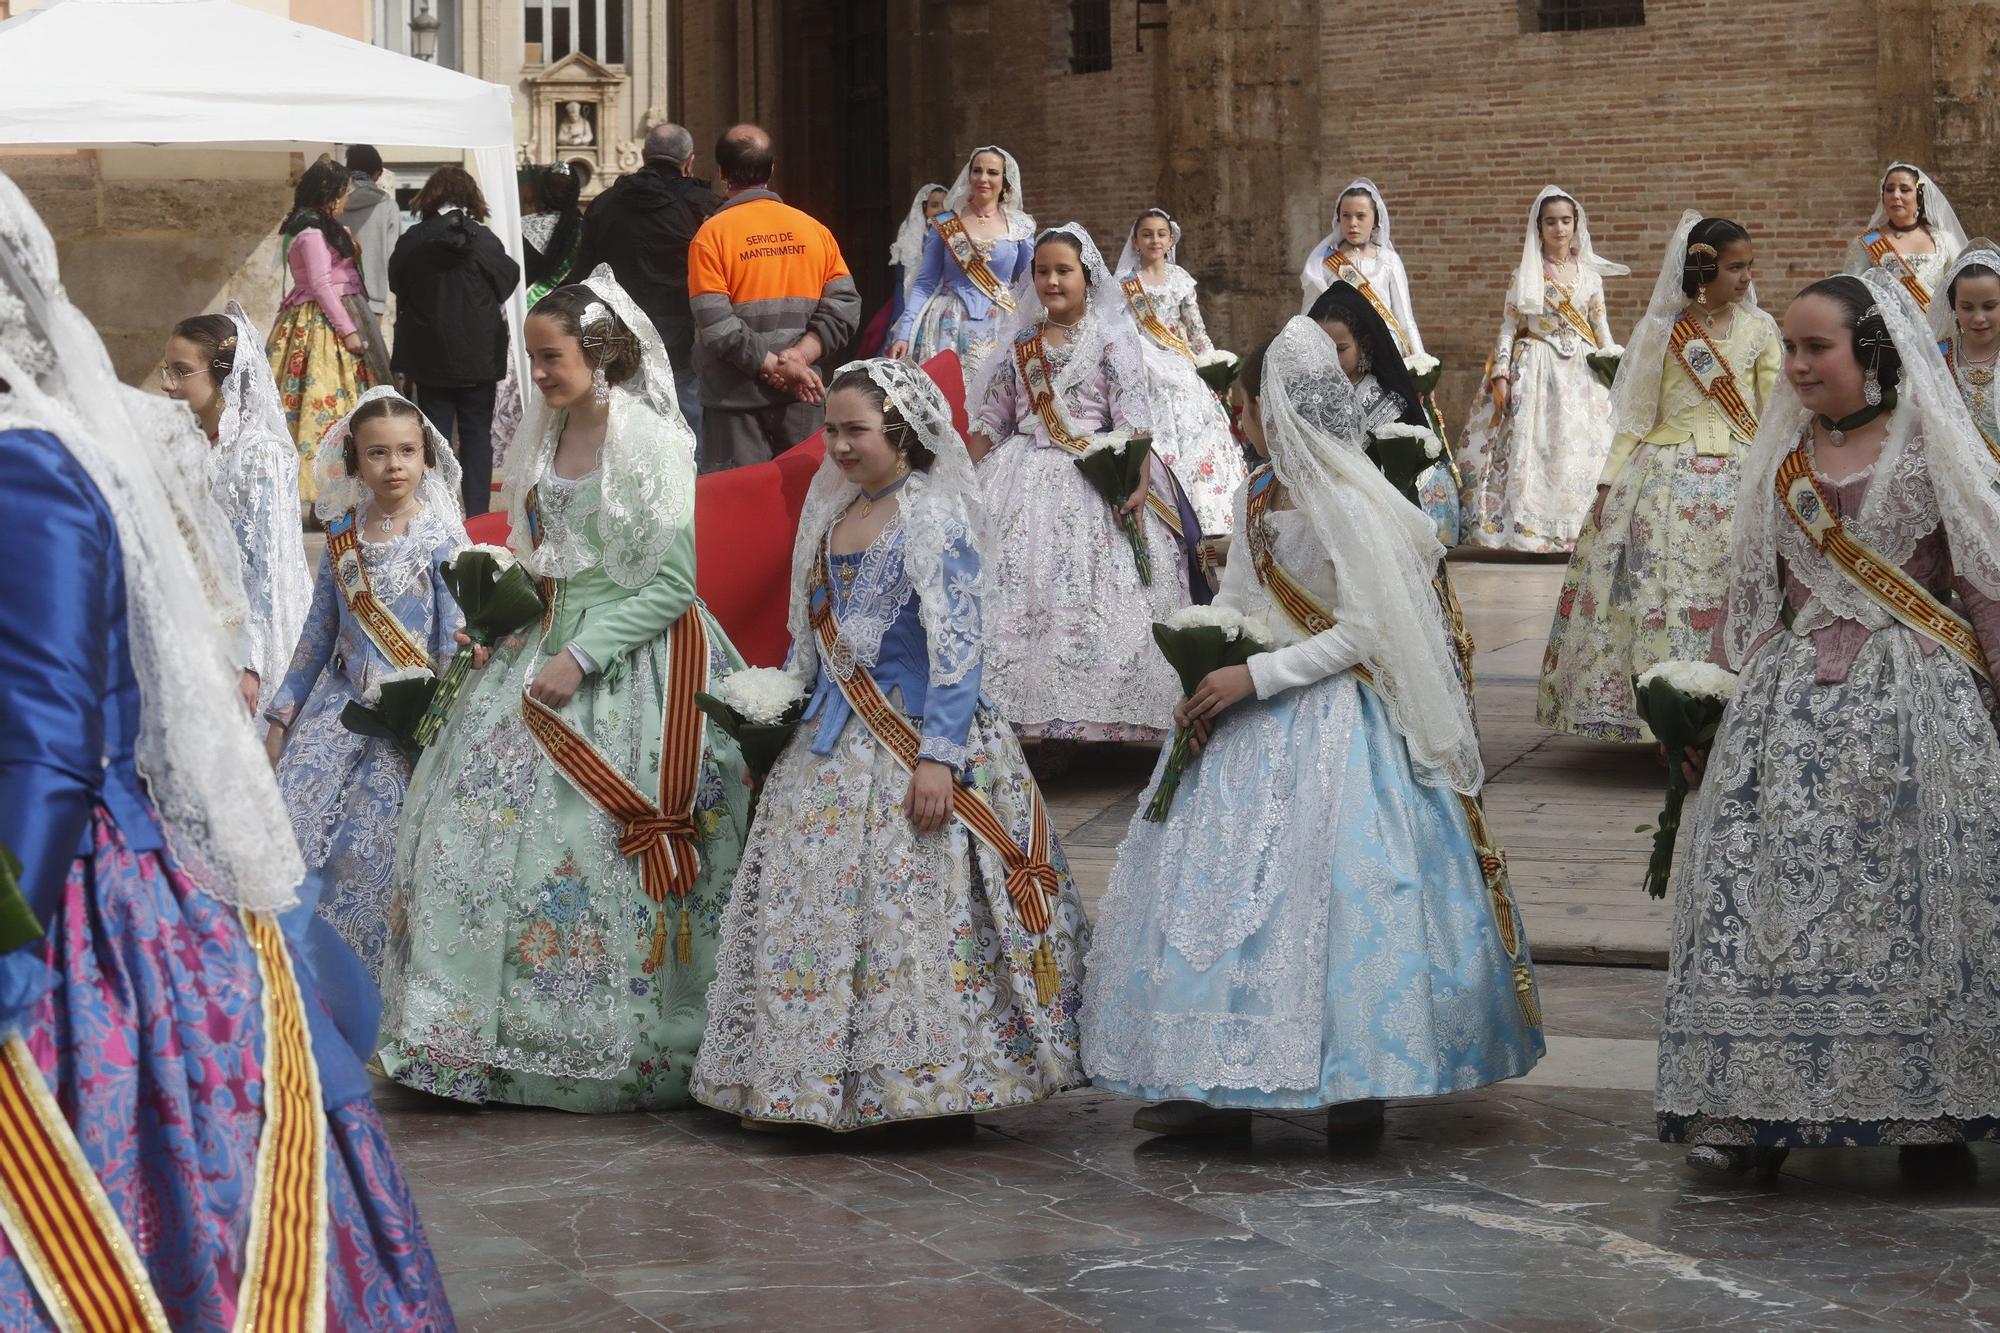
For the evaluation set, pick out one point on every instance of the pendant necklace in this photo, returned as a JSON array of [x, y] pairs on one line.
[[1836, 431], [388, 521], [868, 500]]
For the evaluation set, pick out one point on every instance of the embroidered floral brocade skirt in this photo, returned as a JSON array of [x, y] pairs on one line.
[[1191, 435], [152, 1043], [1645, 586], [1835, 957], [944, 326], [1530, 480], [1069, 650], [870, 974], [1310, 925], [525, 962], [319, 381]]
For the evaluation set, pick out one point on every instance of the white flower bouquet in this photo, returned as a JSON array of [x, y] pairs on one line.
[[1197, 640], [1218, 369], [1404, 453], [1425, 370], [1115, 464], [1604, 362], [1683, 703], [392, 709], [498, 599], [759, 708]]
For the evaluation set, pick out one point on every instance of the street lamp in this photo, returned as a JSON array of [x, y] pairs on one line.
[[424, 33]]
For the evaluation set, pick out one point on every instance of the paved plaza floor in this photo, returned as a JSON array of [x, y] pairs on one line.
[[1543, 1204]]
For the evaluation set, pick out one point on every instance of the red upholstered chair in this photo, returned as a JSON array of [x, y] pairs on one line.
[[744, 523]]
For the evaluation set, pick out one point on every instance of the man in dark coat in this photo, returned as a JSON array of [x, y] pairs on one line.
[[641, 226]]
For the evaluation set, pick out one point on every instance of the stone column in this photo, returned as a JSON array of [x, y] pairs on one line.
[[1242, 154]]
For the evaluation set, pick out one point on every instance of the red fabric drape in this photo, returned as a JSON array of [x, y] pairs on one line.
[[744, 523]]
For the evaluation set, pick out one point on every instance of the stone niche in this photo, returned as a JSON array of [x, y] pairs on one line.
[[576, 112]]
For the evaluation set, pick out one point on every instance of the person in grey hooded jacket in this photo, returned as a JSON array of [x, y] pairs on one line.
[[375, 220]]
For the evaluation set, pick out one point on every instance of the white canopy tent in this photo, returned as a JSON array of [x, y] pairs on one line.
[[109, 73]]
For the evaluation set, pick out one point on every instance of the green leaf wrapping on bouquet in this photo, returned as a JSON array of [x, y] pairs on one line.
[[1193, 652], [399, 707], [497, 601], [1604, 365], [1402, 460], [1219, 376], [18, 926], [1427, 380], [1680, 722], [760, 742], [1115, 476]]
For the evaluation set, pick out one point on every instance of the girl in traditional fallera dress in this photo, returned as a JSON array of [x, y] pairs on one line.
[[551, 234], [388, 495], [874, 965], [1311, 924], [906, 255], [214, 364], [326, 348], [1541, 426], [1190, 425], [1914, 233], [1967, 321], [1359, 252], [565, 856], [1646, 582], [975, 263], [1834, 967], [159, 1037], [1069, 645]]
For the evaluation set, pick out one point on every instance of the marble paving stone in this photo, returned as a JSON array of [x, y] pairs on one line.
[[1602, 1001], [537, 1298], [1594, 1062], [1227, 1284]]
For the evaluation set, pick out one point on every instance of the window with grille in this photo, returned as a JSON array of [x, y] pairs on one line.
[[552, 29], [1581, 15], [1089, 36]]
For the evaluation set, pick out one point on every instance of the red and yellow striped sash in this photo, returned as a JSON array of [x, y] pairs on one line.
[[1032, 881], [1031, 358], [663, 836], [1882, 253], [1147, 316], [1694, 348], [284, 1277], [1565, 305], [69, 1239], [1892, 589], [1313, 617], [965, 252], [378, 622]]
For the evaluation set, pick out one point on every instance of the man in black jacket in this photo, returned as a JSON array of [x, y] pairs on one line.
[[641, 226]]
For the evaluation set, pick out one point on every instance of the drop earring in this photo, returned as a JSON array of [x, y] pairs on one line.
[[1871, 388], [600, 388]]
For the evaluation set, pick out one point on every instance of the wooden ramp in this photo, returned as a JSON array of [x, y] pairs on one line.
[[1566, 809]]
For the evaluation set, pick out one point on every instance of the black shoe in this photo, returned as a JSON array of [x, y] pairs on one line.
[[1937, 1161], [1192, 1120], [1355, 1120]]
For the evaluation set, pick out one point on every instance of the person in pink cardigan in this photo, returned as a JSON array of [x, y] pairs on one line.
[[326, 349]]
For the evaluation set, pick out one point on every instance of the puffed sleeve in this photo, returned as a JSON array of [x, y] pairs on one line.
[[315, 648], [55, 671], [930, 277], [952, 631]]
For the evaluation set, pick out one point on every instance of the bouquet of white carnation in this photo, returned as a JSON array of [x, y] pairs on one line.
[[498, 599], [1218, 369], [1425, 370], [1404, 453], [1604, 362], [1115, 464], [1683, 703], [759, 707], [1197, 640], [392, 708]]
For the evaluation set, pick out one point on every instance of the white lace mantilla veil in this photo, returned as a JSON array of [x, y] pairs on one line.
[[1528, 286], [1385, 551], [256, 466], [1978, 250], [938, 508], [907, 250], [1947, 232], [1315, 258], [1635, 395], [1128, 258], [646, 472], [1963, 474], [1107, 320], [340, 490], [1020, 224], [196, 747]]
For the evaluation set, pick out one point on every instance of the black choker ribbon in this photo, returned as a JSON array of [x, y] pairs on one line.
[[1836, 430]]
